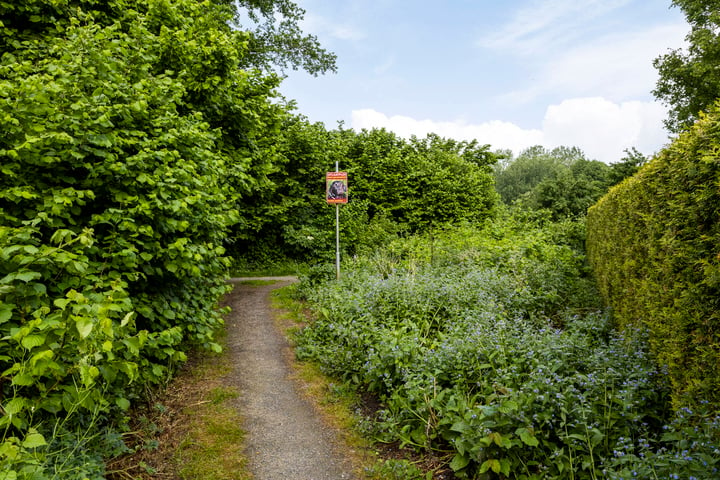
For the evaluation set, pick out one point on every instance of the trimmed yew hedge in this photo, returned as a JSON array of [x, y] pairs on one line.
[[654, 243]]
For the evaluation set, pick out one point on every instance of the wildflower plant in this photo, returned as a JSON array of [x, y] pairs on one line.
[[469, 355]]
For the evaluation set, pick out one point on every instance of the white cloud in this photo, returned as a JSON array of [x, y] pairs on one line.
[[617, 66], [601, 128], [544, 25], [500, 135]]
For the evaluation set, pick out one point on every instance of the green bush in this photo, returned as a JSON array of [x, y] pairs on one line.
[[487, 346], [653, 242], [115, 201]]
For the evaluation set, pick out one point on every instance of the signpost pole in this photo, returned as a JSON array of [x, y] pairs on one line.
[[337, 234], [336, 192]]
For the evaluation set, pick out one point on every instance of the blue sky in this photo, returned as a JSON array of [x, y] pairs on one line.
[[508, 73]]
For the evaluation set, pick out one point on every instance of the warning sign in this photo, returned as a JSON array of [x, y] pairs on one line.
[[336, 187]]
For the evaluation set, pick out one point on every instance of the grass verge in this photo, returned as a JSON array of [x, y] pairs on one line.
[[190, 431]]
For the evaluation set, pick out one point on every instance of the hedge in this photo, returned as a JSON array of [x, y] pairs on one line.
[[654, 243]]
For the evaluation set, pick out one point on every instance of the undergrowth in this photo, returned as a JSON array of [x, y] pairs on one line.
[[490, 347], [190, 430]]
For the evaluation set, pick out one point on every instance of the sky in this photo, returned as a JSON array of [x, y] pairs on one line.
[[511, 74]]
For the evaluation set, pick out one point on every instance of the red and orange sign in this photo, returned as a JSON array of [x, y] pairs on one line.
[[336, 187]]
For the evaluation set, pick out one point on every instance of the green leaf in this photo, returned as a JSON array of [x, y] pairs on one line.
[[5, 312], [8, 475], [497, 438], [126, 319], [33, 439], [527, 437], [123, 403], [101, 140], [32, 341], [24, 276], [459, 462], [88, 374], [596, 438], [61, 303], [23, 379], [132, 344], [491, 464], [505, 466], [460, 426], [15, 406], [41, 356], [509, 406], [84, 326]]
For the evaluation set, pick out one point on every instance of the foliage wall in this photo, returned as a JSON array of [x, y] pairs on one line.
[[396, 185], [128, 131], [654, 242]]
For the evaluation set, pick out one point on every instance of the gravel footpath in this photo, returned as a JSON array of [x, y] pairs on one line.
[[286, 440]]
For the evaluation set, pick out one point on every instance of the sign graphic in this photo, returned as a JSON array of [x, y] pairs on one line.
[[336, 187]]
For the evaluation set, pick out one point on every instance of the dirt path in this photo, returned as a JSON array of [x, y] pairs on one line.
[[286, 440]]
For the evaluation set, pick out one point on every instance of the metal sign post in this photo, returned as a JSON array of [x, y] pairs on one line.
[[336, 192], [337, 241]]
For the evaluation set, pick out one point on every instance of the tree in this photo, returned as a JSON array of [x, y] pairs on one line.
[[689, 80], [531, 167], [277, 41], [130, 130], [560, 181], [449, 182], [572, 191], [627, 166]]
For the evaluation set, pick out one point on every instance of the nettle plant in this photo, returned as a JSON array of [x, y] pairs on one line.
[[472, 358]]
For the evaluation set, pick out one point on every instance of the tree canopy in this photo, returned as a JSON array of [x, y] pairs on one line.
[[561, 181], [689, 81]]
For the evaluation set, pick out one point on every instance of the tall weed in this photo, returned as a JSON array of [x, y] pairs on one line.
[[490, 346]]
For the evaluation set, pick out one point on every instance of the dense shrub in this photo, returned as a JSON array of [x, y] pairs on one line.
[[396, 186], [654, 242], [124, 146], [488, 346]]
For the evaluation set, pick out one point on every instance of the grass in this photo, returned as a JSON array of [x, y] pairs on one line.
[[257, 283], [278, 269], [193, 426], [211, 448]]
